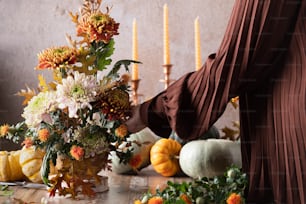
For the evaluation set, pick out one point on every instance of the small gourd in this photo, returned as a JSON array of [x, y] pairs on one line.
[[164, 156], [30, 162], [10, 169], [143, 141], [209, 158]]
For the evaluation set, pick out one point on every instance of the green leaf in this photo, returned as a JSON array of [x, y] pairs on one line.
[[4, 191], [114, 72], [208, 190], [103, 52], [45, 168], [3, 187]]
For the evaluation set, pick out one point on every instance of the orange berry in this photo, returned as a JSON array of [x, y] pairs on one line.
[[77, 152], [234, 198], [43, 134], [156, 200]]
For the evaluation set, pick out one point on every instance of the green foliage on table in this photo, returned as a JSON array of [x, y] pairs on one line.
[[5, 191], [203, 190]]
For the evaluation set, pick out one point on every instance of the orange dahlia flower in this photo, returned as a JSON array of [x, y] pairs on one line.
[[98, 27], [55, 57]]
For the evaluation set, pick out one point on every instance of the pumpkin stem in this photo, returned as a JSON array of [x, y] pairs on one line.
[[176, 157]]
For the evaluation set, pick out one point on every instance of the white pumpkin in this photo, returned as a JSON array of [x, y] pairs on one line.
[[144, 137], [209, 158]]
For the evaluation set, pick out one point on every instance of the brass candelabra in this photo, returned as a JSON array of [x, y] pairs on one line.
[[135, 95], [167, 72]]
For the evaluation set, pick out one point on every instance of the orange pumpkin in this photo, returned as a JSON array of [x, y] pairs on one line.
[[164, 156]]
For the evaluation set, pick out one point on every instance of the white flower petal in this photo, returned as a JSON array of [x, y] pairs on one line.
[[76, 92]]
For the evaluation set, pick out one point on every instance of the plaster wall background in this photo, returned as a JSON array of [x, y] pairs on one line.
[[30, 26]]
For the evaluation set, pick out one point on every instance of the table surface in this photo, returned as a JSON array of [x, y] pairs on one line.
[[123, 189]]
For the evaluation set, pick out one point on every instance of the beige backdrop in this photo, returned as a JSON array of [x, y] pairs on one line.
[[29, 26]]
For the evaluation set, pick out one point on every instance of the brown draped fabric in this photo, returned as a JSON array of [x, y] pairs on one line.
[[262, 60]]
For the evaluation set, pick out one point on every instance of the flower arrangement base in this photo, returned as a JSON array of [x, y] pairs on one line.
[[81, 112], [103, 186], [79, 178]]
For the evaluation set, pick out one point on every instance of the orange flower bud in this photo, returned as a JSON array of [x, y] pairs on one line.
[[77, 152], [121, 131], [156, 200], [43, 134], [186, 199]]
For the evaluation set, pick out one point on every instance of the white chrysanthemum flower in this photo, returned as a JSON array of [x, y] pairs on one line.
[[38, 108], [76, 92]]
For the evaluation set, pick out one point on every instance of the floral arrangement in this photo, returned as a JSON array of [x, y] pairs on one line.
[[78, 118], [226, 189]]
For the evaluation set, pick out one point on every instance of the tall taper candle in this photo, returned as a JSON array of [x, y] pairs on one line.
[[197, 44], [135, 51], [166, 36]]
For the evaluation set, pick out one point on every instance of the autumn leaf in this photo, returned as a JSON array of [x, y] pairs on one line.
[[87, 62], [57, 76], [27, 94], [230, 133], [43, 86], [234, 101]]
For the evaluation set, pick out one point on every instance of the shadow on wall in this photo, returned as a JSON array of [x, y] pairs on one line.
[[10, 104]]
